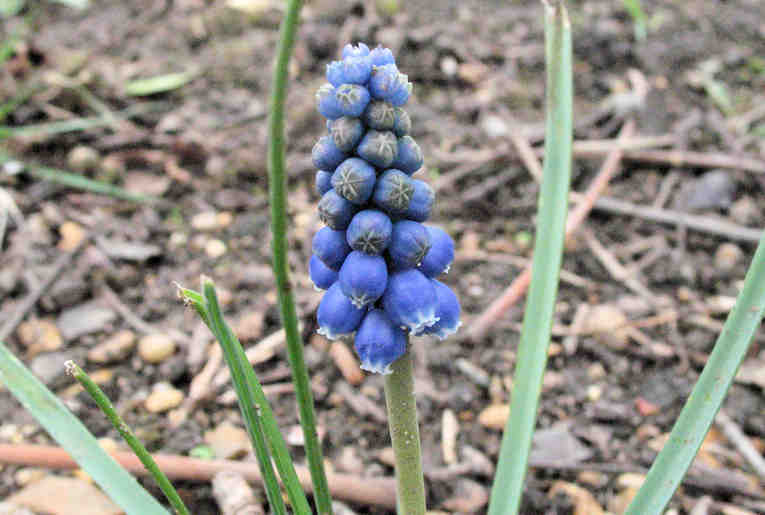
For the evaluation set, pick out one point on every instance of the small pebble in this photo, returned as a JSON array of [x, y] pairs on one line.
[[82, 158], [115, 348], [449, 66], [494, 416], [28, 475], [745, 211], [215, 248], [228, 441], [71, 235], [211, 221], [594, 392], [727, 256], [450, 428], [163, 398], [155, 348], [40, 336]]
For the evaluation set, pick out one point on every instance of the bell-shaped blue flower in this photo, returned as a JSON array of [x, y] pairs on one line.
[[379, 148], [346, 132], [336, 315], [403, 123], [352, 99], [441, 253], [409, 156], [355, 180], [359, 50], [327, 103], [330, 246], [363, 278], [421, 204], [336, 211], [409, 243], [322, 276], [393, 192], [326, 155], [370, 231], [356, 69], [447, 312], [410, 300], [381, 56], [379, 342], [335, 73], [380, 115], [323, 181], [387, 83]]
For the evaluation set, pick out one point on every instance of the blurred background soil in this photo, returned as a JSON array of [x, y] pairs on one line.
[[644, 291]]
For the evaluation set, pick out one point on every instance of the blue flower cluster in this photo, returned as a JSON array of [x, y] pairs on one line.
[[375, 258]]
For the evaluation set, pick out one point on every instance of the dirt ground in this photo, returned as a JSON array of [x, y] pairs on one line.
[[644, 292]]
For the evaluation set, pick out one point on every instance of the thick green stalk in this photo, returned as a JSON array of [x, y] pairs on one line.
[[548, 250], [707, 396], [277, 182], [135, 444], [405, 436]]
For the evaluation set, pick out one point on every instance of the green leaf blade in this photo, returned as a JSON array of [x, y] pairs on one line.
[[548, 253], [707, 396], [72, 435]]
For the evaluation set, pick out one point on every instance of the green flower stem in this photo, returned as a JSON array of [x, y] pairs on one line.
[[277, 182], [707, 396], [405, 435], [548, 251], [135, 444]]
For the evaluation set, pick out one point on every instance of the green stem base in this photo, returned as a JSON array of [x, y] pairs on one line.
[[405, 436]]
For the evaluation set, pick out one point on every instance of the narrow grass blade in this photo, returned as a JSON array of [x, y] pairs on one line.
[[635, 9], [159, 84], [277, 186], [707, 396], [81, 183], [69, 432], [256, 400], [248, 408], [78, 124], [135, 444], [548, 250]]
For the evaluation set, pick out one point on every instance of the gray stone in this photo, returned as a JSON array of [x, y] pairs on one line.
[[84, 319]]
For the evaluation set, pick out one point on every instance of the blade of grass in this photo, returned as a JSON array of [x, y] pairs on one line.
[[159, 84], [78, 124], [277, 185], [257, 399], [548, 249], [69, 432], [248, 408], [135, 444], [82, 183], [635, 9], [707, 396]]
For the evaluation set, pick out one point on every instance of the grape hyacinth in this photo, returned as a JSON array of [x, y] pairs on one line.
[[376, 258]]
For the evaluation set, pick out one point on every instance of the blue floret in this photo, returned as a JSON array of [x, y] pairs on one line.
[[381, 56], [336, 211], [387, 83], [336, 315], [331, 247], [410, 300], [447, 312], [379, 342], [346, 132], [326, 155], [393, 192], [363, 278], [354, 179], [370, 231], [409, 243], [323, 181], [352, 99], [379, 148], [360, 50], [322, 276], [421, 204], [441, 253], [409, 157], [327, 103]]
